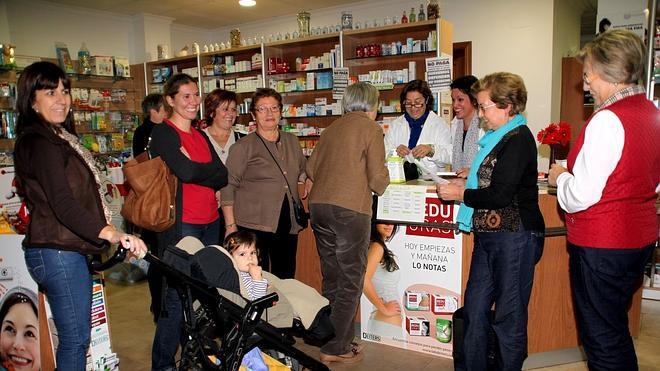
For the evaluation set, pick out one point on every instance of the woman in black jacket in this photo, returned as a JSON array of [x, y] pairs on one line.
[[189, 153], [69, 218], [500, 205]]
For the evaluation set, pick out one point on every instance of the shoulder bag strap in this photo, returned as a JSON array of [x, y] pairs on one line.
[[288, 190]]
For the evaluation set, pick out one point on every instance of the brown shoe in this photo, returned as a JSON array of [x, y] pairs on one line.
[[350, 357]]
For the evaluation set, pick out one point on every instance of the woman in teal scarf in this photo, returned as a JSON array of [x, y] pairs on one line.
[[500, 205]]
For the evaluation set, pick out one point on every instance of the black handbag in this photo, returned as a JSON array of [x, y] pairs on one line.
[[302, 216]]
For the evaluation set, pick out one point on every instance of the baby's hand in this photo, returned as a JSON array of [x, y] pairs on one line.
[[255, 272]]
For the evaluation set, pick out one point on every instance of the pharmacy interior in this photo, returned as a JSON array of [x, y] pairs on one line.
[[309, 55]]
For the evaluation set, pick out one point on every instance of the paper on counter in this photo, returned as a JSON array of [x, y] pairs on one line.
[[404, 203], [426, 170]]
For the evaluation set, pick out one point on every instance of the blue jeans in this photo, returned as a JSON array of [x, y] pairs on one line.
[[501, 272], [168, 326], [603, 282], [66, 280]]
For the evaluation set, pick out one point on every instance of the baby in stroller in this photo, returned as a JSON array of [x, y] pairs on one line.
[[242, 247], [226, 313]]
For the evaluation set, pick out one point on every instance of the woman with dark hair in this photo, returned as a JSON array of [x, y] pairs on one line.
[[609, 192], [419, 131], [19, 333], [380, 282], [70, 219], [220, 116], [264, 170], [189, 154], [466, 129], [500, 204]]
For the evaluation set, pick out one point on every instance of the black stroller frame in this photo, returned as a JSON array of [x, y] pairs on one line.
[[247, 329]]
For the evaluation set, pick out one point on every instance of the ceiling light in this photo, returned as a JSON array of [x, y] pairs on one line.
[[247, 2]]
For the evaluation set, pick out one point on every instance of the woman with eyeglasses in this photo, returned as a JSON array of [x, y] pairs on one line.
[[609, 193], [500, 205], [419, 131], [264, 170]]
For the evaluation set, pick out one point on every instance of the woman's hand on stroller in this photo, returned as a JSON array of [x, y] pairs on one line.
[[128, 241]]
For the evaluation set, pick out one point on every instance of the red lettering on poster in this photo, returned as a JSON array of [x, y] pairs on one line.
[[437, 211]]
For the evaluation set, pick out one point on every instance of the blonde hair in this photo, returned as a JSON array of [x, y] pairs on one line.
[[505, 89], [616, 55]]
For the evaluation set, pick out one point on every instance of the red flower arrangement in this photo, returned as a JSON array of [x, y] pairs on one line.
[[555, 134]]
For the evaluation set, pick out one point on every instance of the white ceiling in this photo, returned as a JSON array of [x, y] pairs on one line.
[[208, 14]]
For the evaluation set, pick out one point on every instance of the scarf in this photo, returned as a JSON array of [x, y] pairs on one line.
[[464, 151], [486, 144], [416, 127], [89, 161]]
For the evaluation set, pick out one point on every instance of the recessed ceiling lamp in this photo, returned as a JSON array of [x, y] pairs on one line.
[[247, 2]]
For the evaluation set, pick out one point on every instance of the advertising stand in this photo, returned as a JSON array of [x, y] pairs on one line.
[[429, 278]]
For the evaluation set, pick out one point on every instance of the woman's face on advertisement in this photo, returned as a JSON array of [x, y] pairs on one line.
[[385, 230], [19, 338]]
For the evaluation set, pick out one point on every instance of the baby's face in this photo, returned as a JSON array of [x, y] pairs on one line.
[[245, 255]]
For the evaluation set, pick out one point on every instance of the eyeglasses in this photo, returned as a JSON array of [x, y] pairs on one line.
[[417, 104], [585, 78], [483, 108], [264, 109]]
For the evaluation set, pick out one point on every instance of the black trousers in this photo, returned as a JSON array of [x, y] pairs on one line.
[[603, 282], [277, 251]]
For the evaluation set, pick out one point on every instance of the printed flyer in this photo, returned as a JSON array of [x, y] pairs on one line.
[[426, 286]]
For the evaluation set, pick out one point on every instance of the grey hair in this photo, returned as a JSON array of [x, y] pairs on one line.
[[361, 96], [617, 55]]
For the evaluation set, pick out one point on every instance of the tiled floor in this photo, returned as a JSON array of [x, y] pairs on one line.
[[132, 331]]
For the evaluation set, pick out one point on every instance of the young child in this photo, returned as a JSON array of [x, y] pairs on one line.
[[241, 246]]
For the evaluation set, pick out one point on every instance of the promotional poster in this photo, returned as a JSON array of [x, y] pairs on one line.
[[426, 285]]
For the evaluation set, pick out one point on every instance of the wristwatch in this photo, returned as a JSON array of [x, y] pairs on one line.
[[430, 154]]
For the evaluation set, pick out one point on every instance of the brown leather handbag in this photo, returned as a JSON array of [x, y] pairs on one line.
[[150, 203]]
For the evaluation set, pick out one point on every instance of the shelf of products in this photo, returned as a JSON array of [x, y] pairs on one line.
[[105, 110], [302, 69]]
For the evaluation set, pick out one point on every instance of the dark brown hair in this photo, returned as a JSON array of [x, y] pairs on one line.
[[464, 84], [388, 262], [215, 99], [39, 76], [172, 86], [419, 86], [13, 299], [239, 238]]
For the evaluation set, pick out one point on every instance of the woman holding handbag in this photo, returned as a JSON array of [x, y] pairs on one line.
[[62, 189], [189, 154], [262, 195]]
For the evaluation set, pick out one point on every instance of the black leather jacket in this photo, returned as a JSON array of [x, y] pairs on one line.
[[60, 191]]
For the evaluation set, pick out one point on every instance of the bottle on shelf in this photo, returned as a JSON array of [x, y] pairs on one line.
[[421, 16], [84, 66], [411, 17], [404, 19]]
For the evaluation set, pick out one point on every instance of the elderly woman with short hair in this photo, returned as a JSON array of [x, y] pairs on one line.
[[346, 167], [264, 170], [609, 195], [500, 204]]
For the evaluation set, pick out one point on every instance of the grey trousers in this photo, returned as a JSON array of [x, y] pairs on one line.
[[342, 241]]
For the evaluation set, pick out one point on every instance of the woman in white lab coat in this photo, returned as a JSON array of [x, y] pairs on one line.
[[420, 131]]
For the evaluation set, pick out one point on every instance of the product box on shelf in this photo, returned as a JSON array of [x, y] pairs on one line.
[[122, 67], [101, 65]]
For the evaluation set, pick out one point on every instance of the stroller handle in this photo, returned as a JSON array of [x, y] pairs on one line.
[[116, 258]]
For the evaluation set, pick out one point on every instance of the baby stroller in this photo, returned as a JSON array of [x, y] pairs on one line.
[[221, 326]]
